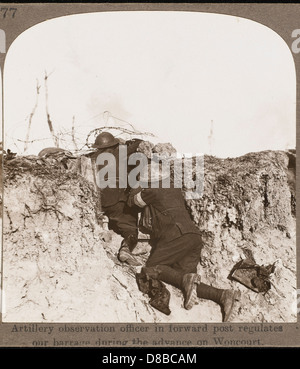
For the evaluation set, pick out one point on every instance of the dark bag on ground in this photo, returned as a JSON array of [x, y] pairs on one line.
[[156, 290], [254, 276]]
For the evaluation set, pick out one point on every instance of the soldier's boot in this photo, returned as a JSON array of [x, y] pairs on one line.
[[189, 289], [165, 274], [187, 283], [227, 303], [130, 242], [125, 252]]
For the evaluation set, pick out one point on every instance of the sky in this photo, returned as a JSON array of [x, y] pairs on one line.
[[206, 83]]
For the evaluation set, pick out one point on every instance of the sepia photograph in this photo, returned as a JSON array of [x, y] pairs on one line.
[[149, 171]]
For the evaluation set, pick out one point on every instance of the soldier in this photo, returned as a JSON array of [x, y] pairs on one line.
[[176, 245], [122, 219]]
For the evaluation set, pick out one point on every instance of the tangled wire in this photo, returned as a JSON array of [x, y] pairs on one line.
[[119, 131]]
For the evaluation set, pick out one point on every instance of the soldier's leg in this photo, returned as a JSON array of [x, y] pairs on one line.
[[169, 259], [164, 273], [192, 287], [182, 253], [128, 222], [189, 261], [185, 282], [128, 225], [122, 219], [113, 212], [185, 266], [225, 298]]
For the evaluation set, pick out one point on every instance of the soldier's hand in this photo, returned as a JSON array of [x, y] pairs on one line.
[[132, 193]]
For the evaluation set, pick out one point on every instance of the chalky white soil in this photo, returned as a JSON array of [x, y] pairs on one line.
[[60, 264]]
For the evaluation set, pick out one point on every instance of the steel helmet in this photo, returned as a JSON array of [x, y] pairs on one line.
[[105, 139], [52, 150]]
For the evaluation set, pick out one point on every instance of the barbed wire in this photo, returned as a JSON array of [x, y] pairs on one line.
[[97, 131], [66, 136]]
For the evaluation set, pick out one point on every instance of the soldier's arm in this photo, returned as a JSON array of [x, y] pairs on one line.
[[134, 194], [141, 197]]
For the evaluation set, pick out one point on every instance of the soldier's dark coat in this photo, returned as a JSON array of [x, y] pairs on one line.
[[176, 241], [122, 218]]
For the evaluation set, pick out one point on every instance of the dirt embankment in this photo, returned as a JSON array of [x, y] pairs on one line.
[[60, 262]]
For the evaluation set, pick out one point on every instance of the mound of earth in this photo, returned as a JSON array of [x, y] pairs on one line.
[[59, 258]]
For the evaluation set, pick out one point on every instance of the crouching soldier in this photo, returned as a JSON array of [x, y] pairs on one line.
[[122, 219], [176, 244]]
